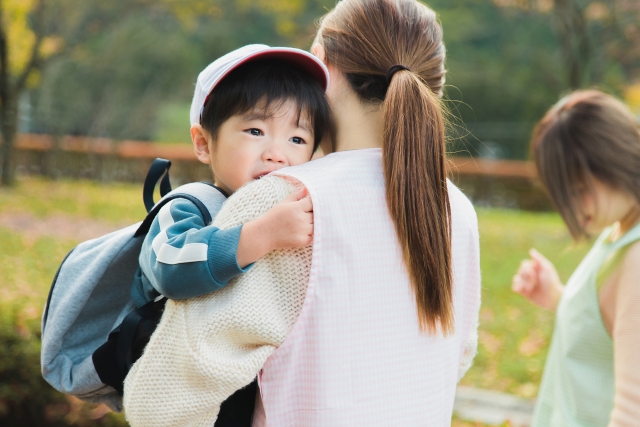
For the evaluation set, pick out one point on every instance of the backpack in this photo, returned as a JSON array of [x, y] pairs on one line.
[[91, 331]]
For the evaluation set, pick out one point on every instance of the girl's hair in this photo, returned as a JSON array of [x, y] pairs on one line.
[[268, 84], [364, 39], [587, 134]]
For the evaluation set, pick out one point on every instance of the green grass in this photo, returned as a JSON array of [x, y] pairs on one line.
[[514, 334], [111, 203]]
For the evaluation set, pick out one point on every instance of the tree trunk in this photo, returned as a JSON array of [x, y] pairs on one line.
[[9, 128], [572, 29]]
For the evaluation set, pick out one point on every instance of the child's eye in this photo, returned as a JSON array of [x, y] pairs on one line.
[[254, 132], [298, 140]]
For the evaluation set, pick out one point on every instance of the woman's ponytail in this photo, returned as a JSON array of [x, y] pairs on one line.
[[415, 175], [392, 55]]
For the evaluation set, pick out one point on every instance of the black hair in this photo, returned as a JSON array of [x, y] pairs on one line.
[[268, 83]]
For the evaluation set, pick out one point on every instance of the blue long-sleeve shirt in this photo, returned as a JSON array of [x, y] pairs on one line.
[[182, 257]]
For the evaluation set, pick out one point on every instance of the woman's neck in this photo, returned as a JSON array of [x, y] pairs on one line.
[[625, 224], [629, 220], [358, 125]]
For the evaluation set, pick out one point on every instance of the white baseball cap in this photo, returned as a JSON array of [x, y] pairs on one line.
[[221, 67]]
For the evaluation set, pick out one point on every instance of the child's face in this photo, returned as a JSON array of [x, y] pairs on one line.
[[603, 207], [249, 146]]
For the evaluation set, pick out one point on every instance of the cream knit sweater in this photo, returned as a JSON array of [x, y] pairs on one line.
[[207, 348]]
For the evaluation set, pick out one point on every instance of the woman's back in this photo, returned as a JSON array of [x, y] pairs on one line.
[[356, 352]]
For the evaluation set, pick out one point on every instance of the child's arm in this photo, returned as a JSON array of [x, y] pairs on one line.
[[538, 281], [182, 257], [289, 224], [626, 343]]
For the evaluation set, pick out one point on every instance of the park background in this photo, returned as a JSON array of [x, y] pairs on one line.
[[81, 79]]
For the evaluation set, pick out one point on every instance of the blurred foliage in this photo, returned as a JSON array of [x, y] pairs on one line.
[[29, 262], [632, 96], [173, 123], [599, 39], [116, 82], [25, 398], [508, 61]]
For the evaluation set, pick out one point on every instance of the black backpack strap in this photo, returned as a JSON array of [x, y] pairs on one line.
[[159, 169], [146, 224], [125, 344], [135, 332]]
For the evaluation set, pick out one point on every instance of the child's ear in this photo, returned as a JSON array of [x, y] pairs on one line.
[[201, 139]]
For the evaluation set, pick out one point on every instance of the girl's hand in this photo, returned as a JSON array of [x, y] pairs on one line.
[[289, 224], [538, 281]]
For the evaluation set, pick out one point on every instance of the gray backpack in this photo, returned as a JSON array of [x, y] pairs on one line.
[[89, 311]]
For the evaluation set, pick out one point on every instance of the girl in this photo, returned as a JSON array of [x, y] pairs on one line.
[[373, 325], [587, 152]]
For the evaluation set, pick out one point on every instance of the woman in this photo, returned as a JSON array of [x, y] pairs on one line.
[[587, 152], [376, 322]]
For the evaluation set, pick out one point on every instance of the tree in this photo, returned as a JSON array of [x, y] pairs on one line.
[[15, 69], [32, 34], [132, 78], [599, 39]]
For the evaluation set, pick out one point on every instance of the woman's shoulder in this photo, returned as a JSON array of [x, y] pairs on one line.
[[253, 200], [265, 190], [631, 261], [624, 275]]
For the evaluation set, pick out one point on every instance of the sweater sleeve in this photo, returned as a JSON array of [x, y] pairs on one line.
[[206, 348], [626, 344], [182, 257]]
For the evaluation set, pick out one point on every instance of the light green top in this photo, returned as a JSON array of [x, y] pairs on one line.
[[577, 387]]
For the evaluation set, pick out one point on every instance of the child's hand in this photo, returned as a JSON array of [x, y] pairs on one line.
[[538, 281], [289, 224]]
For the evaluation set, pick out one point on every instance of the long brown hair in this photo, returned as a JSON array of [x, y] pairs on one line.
[[364, 39], [587, 134]]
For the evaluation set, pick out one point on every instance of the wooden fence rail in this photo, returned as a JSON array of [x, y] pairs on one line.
[[184, 152], [488, 182]]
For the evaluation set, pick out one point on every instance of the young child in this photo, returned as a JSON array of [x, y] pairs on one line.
[[255, 110], [587, 152]]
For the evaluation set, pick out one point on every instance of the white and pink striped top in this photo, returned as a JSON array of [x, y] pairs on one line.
[[356, 356]]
